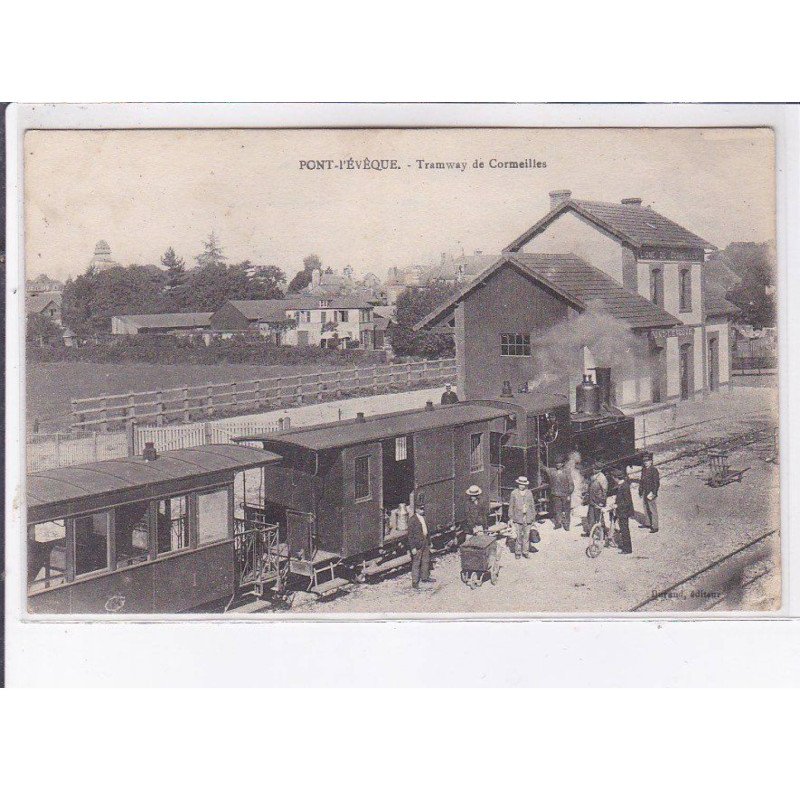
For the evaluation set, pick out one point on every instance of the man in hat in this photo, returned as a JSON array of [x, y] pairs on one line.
[[649, 484], [449, 397], [420, 544], [477, 515], [624, 511], [522, 513], [561, 488], [598, 495]]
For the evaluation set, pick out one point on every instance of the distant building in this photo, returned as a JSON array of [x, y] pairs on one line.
[[46, 304], [179, 324], [342, 322], [102, 257], [462, 268], [43, 285], [400, 279]]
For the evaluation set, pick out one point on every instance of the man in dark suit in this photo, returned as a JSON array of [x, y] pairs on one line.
[[649, 484], [624, 511], [449, 397], [419, 542]]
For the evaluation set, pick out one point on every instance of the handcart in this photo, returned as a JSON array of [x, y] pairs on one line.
[[720, 474], [480, 559]]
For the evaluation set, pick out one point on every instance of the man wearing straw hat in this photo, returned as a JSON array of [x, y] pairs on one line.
[[522, 514], [477, 514]]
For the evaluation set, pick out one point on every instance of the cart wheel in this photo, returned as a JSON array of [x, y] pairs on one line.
[[474, 580], [464, 576], [596, 533], [593, 550]]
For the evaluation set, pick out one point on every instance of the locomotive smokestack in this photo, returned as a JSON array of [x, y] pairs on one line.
[[149, 452], [429, 405]]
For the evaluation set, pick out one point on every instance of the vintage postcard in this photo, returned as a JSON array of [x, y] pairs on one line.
[[405, 371]]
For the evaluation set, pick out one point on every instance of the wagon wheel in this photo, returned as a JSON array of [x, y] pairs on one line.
[[464, 576], [474, 580]]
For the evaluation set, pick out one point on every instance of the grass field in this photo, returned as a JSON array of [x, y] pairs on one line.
[[50, 387]]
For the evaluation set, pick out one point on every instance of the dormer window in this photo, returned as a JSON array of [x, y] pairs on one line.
[[324, 303]]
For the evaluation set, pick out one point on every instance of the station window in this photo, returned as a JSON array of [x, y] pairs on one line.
[[132, 533], [361, 479], [401, 448], [172, 524], [344, 316], [686, 290], [304, 316], [476, 452], [212, 516], [515, 344], [323, 317], [91, 543], [657, 287], [47, 554]]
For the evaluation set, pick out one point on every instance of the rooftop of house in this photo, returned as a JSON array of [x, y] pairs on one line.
[[464, 266], [275, 310], [628, 220], [578, 283], [190, 319], [38, 303]]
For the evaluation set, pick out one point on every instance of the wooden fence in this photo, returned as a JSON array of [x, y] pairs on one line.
[[176, 437], [49, 450], [192, 403]]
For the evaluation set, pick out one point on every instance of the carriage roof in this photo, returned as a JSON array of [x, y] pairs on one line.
[[81, 487], [346, 433]]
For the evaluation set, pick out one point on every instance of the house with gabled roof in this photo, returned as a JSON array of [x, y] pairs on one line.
[[516, 324], [657, 258], [326, 321]]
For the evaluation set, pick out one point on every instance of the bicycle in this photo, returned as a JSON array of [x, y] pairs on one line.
[[604, 532]]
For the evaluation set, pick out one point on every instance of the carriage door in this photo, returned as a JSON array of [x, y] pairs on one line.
[[434, 478], [300, 534]]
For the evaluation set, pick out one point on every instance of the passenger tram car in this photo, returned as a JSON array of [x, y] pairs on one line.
[[311, 509]]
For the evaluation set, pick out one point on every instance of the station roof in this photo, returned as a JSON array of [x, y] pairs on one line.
[[189, 319], [131, 479], [382, 426], [632, 223], [579, 284]]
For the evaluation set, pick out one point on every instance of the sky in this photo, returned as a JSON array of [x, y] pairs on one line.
[[144, 191]]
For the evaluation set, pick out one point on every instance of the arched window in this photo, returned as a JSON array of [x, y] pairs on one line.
[[685, 289]]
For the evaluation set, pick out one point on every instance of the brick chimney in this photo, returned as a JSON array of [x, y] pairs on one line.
[[559, 196], [632, 201]]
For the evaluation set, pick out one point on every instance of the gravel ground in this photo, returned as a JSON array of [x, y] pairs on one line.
[[699, 524]]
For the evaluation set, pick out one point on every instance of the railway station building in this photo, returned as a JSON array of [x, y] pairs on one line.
[[637, 273]]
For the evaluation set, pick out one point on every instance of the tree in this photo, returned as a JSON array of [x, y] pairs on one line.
[[303, 278], [412, 306], [212, 255], [40, 330], [176, 268], [89, 301], [754, 263]]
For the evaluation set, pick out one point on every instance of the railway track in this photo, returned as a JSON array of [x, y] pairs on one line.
[[708, 587]]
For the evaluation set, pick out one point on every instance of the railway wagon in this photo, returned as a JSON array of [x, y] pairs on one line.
[[341, 488], [134, 535]]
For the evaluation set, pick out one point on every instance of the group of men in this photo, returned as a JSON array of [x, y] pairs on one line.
[[522, 511]]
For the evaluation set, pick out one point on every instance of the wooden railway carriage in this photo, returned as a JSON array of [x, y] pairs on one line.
[[339, 486], [141, 536]]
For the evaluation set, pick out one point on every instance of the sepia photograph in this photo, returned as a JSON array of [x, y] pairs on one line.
[[400, 372]]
